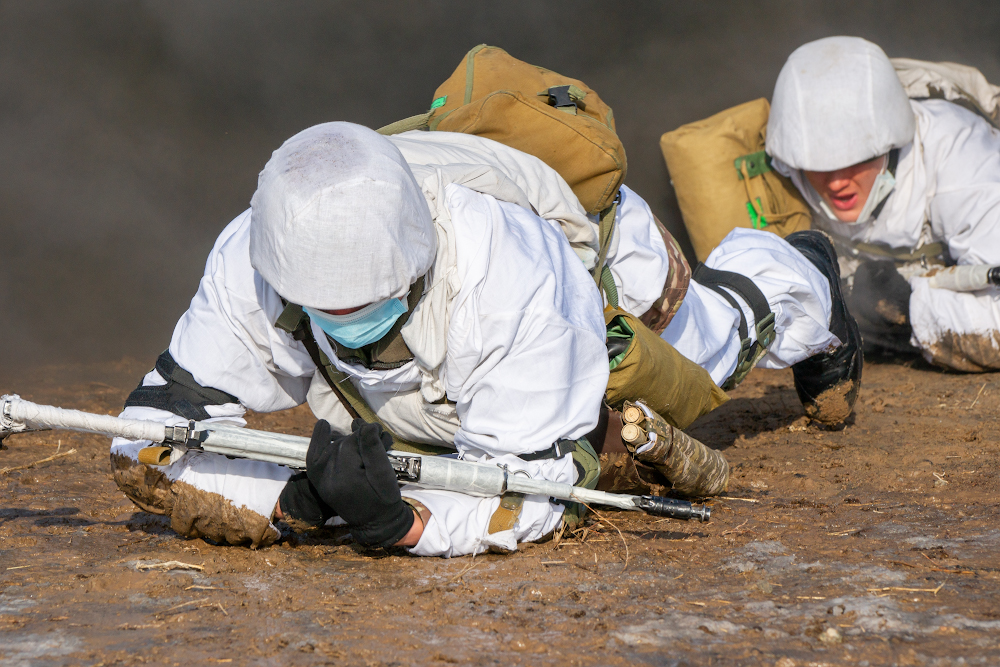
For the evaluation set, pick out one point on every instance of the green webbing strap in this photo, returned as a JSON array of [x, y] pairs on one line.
[[588, 467], [605, 230], [470, 70], [296, 322], [608, 283], [418, 122], [756, 163], [750, 351]]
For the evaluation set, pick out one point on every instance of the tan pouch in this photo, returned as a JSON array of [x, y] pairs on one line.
[[708, 160], [652, 371], [494, 95]]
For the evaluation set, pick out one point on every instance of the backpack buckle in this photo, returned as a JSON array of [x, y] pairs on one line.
[[565, 98]]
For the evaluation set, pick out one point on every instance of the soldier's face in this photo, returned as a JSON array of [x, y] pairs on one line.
[[846, 190]]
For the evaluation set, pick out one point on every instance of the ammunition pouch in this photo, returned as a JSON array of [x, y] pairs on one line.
[[645, 367]]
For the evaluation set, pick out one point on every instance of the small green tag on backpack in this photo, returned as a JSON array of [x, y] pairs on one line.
[[439, 102]]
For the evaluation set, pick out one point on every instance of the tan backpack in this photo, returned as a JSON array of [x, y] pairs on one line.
[[961, 84], [723, 178], [555, 118]]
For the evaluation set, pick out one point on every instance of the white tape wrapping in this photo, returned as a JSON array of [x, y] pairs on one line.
[[964, 278], [480, 479], [33, 415]]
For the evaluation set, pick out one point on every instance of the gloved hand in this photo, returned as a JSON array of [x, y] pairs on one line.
[[299, 501], [880, 299], [353, 475]]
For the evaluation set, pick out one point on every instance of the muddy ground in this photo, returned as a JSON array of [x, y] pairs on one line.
[[873, 545]]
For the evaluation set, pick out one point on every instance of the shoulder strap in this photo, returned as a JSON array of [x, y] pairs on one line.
[[605, 230], [419, 122], [296, 322]]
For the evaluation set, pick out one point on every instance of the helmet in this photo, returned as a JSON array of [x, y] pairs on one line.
[[837, 102], [338, 220]]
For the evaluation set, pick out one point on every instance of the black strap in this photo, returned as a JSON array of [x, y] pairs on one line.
[[732, 302], [724, 282], [715, 279], [181, 395], [558, 450]]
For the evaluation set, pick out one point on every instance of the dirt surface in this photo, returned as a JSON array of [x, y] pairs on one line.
[[872, 545]]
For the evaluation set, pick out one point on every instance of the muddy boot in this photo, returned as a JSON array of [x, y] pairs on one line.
[[828, 383], [192, 512], [692, 468]]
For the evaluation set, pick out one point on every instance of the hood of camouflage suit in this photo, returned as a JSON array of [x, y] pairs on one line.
[[338, 220]]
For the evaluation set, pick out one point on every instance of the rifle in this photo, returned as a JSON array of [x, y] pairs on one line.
[[966, 277], [430, 472]]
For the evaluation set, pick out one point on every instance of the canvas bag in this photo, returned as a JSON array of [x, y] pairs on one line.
[[723, 178], [537, 111]]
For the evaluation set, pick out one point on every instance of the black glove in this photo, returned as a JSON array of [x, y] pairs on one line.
[[299, 500], [353, 476], [880, 299]]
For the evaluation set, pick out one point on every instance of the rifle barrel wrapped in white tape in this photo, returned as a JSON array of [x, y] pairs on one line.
[[965, 278], [433, 472]]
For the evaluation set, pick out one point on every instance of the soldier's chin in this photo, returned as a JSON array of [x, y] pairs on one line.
[[850, 216]]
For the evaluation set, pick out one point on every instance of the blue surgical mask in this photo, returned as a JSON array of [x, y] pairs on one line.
[[362, 327]]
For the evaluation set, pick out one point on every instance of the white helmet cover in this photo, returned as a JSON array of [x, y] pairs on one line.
[[338, 220], [837, 102]]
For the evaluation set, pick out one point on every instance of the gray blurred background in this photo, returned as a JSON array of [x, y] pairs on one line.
[[132, 132]]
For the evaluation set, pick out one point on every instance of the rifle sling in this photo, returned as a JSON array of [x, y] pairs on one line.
[[296, 322]]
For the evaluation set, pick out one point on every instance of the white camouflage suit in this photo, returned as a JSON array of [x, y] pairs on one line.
[[510, 330], [947, 183]]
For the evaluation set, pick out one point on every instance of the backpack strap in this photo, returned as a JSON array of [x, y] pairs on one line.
[[605, 230], [295, 321], [750, 351], [419, 122]]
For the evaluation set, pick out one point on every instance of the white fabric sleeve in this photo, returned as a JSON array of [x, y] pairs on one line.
[[705, 328], [962, 151], [459, 524], [963, 154], [227, 339], [526, 364], [942, 316], [638, 260]]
